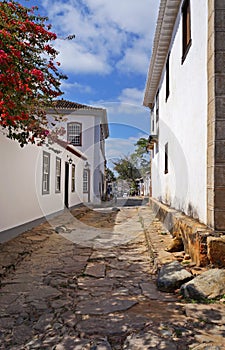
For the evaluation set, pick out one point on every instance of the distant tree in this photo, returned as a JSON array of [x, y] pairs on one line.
[[127, 170], [110, 176], [134, 166], [140, 157], [141, 146], [29, 77]]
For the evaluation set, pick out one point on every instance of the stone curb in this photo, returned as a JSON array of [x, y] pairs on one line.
[[156, 243]]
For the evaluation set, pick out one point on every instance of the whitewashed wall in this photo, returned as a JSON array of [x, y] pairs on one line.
[[21, 198], [183, 122], [91, 148]]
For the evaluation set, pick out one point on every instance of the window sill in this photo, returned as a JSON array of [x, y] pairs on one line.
[[75, 145]]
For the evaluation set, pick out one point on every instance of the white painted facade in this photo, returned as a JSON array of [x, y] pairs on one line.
[[182, 117], [25, 194], [145, 190], [94, 132], [21, 182]]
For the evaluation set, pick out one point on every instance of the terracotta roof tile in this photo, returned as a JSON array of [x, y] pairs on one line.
[[64, 104]]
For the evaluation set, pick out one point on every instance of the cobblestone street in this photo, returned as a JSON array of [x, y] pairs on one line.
[[86, 280]]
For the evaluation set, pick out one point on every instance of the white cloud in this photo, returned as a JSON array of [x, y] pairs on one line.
[[109, 33], [131, 16], [76, 59], [66, 86], [130, 101], [134, 61], [117, 148], [131, 96]]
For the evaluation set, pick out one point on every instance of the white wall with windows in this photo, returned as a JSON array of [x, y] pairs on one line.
[[32, 181], [179, 167], [84, 128]]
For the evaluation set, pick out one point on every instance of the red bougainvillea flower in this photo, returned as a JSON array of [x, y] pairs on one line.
[[38, 74], [28, 81]]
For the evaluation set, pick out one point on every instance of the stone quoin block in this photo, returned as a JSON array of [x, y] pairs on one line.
[[220, 152], [219, 220], [220, 175], [220, 107], [216, 251], [220, 198]]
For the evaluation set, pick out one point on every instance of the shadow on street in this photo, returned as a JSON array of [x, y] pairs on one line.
[[124, 202]]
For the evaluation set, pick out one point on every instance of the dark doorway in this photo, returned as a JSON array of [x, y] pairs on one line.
[[66, 198]]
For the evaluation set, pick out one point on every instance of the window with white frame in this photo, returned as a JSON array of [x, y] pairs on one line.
[[73, 178], [85, 180], [46, 173], [74, 133], [58, 175]]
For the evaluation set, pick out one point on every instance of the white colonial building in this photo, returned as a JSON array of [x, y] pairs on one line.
[[38, 181], [86, 128], [185, 92]]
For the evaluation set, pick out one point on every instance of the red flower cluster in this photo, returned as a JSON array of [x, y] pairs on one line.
[[38, 74], [28, 82]]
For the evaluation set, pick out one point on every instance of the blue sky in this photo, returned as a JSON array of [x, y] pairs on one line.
[[107, 62]]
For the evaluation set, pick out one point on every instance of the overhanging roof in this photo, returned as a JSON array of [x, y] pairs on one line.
[[63, 107], [64, 104], [168, 11], [71, 149]]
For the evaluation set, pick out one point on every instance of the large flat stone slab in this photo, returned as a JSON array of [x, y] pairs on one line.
[[209, 285], [148, 340], [113, 324], [101, 255], [88, 283], [95, 270], [43, 292], [104, 306], [149, 289], [21, 334]]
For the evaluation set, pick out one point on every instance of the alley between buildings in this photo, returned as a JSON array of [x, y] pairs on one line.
[[86, 280]]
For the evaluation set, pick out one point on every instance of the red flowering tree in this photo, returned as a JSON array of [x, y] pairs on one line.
[[29, 77]]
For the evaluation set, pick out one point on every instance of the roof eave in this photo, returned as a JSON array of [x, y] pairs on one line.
[[167, 15], [95, 111]]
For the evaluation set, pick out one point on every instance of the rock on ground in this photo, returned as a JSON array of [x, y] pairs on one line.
[[209, 285], [172, 276]]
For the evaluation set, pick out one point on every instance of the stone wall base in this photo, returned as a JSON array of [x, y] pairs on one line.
[[198, 239], [216, 250]]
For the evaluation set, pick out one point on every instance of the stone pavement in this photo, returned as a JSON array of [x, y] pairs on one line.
[[85, 280]]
